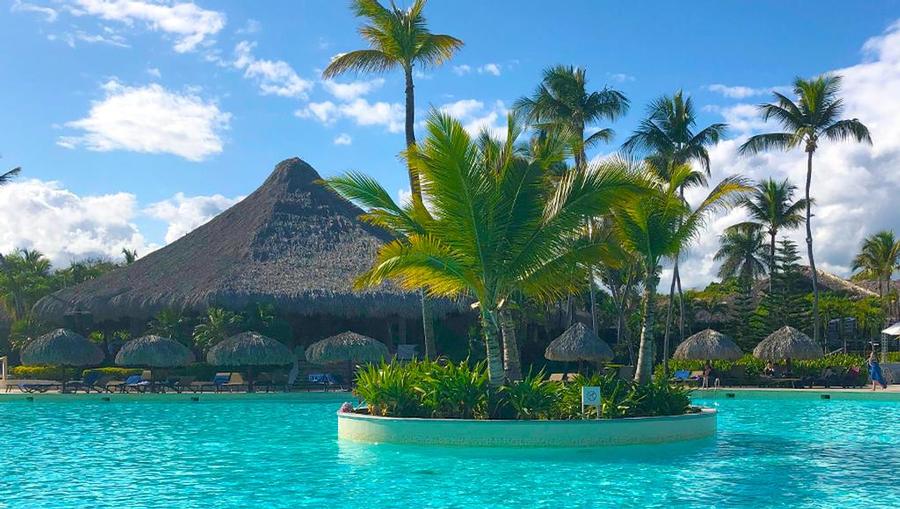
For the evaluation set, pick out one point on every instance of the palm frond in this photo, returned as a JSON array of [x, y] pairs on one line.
[[360, 61]]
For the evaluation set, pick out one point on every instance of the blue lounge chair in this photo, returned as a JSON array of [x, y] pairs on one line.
[[38, 386], [217, 383], [94, 381], [682, 375]]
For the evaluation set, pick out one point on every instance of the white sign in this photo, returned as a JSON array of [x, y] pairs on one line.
[[590, 396]]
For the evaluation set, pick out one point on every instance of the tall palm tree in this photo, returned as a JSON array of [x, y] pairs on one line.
[[563, 103], [770, 204], [659, 225], [7, 177], [669, 139], [877, 259], [815, 116], [399, 39], [491, 232], [742, 252]]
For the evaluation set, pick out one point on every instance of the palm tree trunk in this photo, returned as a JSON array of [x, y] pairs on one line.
[[512, 363], [809, 249], [772, 234], [492, 345], [669, 321], [415, 188], [644, 370], [680, 308]]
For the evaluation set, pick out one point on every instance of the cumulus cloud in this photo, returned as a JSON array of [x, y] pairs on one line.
[[742, 92], [65, 226], [185, 213], [188, 23], [620, 77], [275, 77], [352, 90], [150, 119], [391, 116], [476, 116], [490, 68], [855, 185], [461, 70], [153, 71], [343, 139]]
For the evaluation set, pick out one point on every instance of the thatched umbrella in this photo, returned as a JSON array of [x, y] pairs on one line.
[[578, 343], [291, 243], [62, 347], [708, 345], [787, 343], [154, 352], [249, 349], [347, 347]]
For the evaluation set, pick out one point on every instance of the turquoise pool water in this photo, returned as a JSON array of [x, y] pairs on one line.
[[280, 451]]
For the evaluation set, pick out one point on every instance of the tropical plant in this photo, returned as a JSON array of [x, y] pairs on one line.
[[217, 325], [878, 258], [742, 253], [169, 323], [532, 397], [813, 117], [659, 397], [399, 39], [456, 391], [659, 225], [7, 177], [668, 138], [25, 277], [492, 232], [770, 205], [130, 255], [83, 270], [390, 389]]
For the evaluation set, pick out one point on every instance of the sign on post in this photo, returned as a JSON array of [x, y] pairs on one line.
[[590, 396]]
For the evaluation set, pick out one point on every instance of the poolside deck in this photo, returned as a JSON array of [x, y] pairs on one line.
[[892, 393]]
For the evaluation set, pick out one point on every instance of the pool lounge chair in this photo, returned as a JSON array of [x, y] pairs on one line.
[[94, 381], [235, 382], [177, 383], [38, 386], [682, 375], [557, 377], [215, 384]]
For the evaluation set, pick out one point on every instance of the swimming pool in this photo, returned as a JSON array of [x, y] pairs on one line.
[[281, 451]]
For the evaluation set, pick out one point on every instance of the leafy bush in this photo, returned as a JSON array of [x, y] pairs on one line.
[[461, 391], [44, 372], [893, 357], [533, 397], [113, 372], [754, 367]]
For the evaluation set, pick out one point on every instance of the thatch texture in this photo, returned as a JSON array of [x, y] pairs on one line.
[[578, 343], [347, 347], [291, 243], [708, 345], [249, 349], [62, 347], [787, 343], [154, 352]]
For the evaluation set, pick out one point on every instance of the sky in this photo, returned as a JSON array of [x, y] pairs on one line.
[[135, 121]]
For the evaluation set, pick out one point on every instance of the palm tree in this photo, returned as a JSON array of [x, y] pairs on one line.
[[130, 255], [659, 225], [815, 115], [562, 103], [668, 138], [24, 278], [492, 232], [7, 177], [877, 259], [217, 326], [742, 252], [399, 39], [770, 205]]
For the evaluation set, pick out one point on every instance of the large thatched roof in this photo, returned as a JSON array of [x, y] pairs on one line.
[[578, 343], [347, 347], [708, 345], [154, 352], [292, 243], [787, 343], [62, 347], [249, 349]]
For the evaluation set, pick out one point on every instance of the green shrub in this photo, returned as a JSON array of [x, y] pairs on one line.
[[754, 367], [533, 397], [44, 372], [113, 372], [659, 398], [454, 391], [391, 389], [893, 357]]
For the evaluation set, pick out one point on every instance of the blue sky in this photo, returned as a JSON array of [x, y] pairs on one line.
[[165, 112]]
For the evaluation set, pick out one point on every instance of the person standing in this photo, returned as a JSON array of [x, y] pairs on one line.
[[875, 372]]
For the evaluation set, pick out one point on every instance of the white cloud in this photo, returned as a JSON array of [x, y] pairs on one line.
[[742, 92], [475, 117], [252, 26], [462, 108], [461, 70], [741, 118], [64, 226], [112, 39], [620, 77], [389, 115], [150, 119], [490, 68], [190, 24], [855, 186], [352, 90], [275, 77], [343, 139], [153, 71], [49, 13], [185, 213]]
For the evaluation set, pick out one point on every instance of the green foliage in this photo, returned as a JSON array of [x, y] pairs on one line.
[[169, 323], [391, 389], [113, 372], [659, 397], [44, 372], [217, 325], [754, 367], [532, 397], [453, 391], [893, 357]]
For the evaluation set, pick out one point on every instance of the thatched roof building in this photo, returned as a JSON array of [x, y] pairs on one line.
[[291, 243], [347, 347], [708, 345], [578, 343], [249, 349], [787, 343], [62, 347], [154, 352]]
